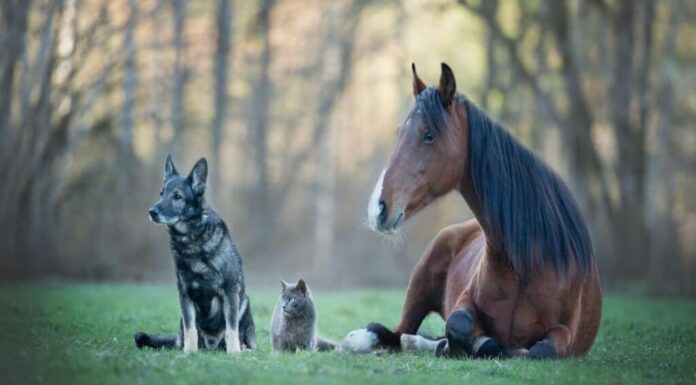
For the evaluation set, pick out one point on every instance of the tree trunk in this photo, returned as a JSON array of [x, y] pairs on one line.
[[262, 211], [629, 223], [13, 28], [664, 245], [179, 77], [224, 17], [336, 65]]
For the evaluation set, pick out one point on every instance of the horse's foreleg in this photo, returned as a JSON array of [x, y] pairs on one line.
[[424, 294], [465, 334], [555, 344], [375, 335], [414, 342]]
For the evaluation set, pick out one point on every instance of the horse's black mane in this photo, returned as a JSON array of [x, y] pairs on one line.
[[525, 204]]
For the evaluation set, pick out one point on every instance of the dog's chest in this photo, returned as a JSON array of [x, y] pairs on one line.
[[201, 279]]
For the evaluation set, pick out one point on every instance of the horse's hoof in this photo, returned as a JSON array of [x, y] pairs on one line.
[[486, 347], [441, 349], [458, 332], [542, 350], [359, 341]]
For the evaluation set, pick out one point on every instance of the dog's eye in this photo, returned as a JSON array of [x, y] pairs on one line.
[[177, 196], [428, 137]]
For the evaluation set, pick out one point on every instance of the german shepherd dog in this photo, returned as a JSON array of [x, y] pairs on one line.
[[215, 310]]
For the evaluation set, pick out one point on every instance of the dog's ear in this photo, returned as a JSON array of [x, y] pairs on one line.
[[302, 286], [199, 176], [169, 169]]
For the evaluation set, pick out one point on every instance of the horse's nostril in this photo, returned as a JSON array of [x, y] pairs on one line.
[[382, 211]]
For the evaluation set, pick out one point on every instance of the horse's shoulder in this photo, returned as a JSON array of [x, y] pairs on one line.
[[459, 234]]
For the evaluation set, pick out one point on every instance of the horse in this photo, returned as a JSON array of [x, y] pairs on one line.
[[519, 280]]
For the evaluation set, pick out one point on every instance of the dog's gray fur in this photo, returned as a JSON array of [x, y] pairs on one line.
[[293, 323], [215, 310]]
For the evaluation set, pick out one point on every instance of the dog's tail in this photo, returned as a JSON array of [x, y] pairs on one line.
[[155, 341], [324, 345]]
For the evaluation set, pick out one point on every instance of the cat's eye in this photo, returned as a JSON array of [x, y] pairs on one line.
[[177, 196], [161, 192], [428, 136]]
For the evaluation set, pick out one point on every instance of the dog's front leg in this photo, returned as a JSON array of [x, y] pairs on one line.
[[188, 316], [231, 309]]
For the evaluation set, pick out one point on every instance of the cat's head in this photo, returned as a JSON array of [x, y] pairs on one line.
[[296, 300]]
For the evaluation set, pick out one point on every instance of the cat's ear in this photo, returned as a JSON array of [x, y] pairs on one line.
[[284, 285], [302, 286]]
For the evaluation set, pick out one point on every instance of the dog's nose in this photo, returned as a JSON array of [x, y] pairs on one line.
[[153, 213], [382, 217]]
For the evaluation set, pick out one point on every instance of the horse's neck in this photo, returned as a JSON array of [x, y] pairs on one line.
[[495, 249]]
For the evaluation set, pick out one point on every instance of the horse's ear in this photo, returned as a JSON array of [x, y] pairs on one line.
[[448, 86], [169, 169], [418, 85]]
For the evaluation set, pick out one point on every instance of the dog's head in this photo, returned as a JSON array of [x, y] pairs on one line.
[[181, 198]]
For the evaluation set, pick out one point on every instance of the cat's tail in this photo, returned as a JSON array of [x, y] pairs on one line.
[[155, 341], [325, 345]]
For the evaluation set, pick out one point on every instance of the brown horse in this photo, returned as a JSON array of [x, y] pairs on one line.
[[520, 279]]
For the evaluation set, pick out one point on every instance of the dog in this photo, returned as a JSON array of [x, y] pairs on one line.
[[215, 309]]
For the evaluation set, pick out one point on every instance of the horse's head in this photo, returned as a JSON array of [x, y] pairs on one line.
[[429, 157]]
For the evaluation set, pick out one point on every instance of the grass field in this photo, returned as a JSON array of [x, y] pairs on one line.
[[82, 334]]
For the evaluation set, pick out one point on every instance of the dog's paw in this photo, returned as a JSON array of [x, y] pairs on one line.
[[190, 343], [232, 342]]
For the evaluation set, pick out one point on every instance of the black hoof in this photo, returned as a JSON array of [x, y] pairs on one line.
[[441, 349], [489, 349], [141, 340], [458, 333], [543, 350]]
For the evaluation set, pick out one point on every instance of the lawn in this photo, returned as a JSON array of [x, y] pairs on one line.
[[82, 334]]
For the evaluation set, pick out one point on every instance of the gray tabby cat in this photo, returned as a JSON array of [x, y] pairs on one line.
[[293, 324]]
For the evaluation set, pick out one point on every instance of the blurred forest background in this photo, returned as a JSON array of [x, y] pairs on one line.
[[295, 105]]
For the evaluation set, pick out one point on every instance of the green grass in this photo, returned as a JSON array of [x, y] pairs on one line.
[[82, 334]]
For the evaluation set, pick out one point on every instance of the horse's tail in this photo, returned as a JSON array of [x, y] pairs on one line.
[[325, 345], [155, 341]]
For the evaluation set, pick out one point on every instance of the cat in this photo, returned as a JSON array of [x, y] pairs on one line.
[[293, 324]]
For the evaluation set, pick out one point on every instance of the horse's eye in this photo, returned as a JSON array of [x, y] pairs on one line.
[[428, 137]]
